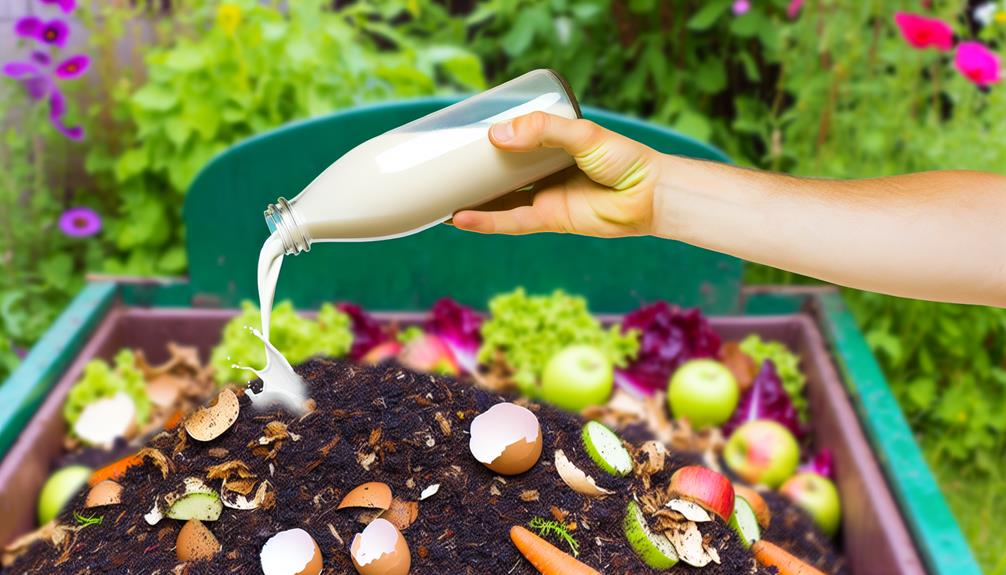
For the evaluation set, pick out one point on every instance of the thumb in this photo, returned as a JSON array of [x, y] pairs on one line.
[[538, 129]]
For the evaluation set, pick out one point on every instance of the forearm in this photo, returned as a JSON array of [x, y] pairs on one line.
[[937, 235]]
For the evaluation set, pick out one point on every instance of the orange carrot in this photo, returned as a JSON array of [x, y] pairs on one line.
[[173, 421], [771, 555], [115, 470], [547, 558]]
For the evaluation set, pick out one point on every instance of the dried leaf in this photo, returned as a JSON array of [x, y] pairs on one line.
[[444, 423], [226, 470], [529, 495], [687, 542]]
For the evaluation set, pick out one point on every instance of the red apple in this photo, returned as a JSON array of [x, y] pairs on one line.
[[430, 354], [757, 503], [818, 496], [381, 352], [704, 487], [762, 452]]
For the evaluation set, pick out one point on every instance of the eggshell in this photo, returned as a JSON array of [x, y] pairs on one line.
[[163, 390], [575, 478], [506, 438], [195, 542], [291, 552], [380, 550], [373, 495], [210, 422], [105, 492], [103, 421]]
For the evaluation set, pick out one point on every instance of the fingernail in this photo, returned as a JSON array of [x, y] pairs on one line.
[[502, 132]]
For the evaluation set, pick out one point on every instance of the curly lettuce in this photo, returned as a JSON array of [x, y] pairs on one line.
[[787, 365], [298, 338], [529, 329], [101, 380]]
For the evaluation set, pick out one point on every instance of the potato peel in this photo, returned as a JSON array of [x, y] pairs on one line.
[[576, 479]]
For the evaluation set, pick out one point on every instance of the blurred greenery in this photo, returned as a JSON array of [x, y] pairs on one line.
[[833, 92]]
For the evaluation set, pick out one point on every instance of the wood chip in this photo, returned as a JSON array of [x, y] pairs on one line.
[[529, 495]]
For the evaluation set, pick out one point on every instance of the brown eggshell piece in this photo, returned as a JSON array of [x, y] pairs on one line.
[[195, 542], [373, 495], [105, 492], [506, 438], [380, 550], [401, 514], [210, 422], [163, 390]]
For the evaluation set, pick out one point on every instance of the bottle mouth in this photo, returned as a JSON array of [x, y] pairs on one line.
[[283, 220]]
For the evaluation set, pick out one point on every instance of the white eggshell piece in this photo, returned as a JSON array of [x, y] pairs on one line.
[[575, 478], [429, 491], [102, 421], [499, 427], [287, 552], [379, 538], [691, 511]]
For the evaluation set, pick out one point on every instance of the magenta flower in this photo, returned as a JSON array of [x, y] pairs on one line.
[[52, 32], [741, 7], [66, 6], [793, 10], [80, 222], [977, 63], [40, 81], [922, 32]]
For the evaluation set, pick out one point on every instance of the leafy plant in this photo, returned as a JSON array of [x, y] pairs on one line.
[[787, 366], [527, 330], [296, 337], [550, 527], [101, 381]]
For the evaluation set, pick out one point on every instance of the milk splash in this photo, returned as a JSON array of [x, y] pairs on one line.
[[280, 383]]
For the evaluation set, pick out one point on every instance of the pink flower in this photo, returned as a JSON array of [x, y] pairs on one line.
[[80, 222], [793, 10], [741, 7], [977, 63], [923, 32]]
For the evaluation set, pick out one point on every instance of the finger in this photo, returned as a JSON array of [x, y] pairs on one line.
[[518, 221], [539, 129], [522, 197]]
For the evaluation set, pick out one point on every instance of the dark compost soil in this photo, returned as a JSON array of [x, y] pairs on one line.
[[411, 431]]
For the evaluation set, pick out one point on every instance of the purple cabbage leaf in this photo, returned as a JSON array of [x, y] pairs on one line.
[[459, 327], [368, 333], [766, 399]]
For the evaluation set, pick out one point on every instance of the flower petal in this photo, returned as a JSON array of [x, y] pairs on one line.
[[923, 32], [977, 63], [66, 6], [28, 27], [19, 69], [73, 67], [80, 222], [57, 105], [41, 58]]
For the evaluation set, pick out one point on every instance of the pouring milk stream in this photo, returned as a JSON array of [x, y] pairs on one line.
[[403, 182]]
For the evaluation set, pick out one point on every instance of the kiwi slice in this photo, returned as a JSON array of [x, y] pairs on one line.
[[653, 548], [744, 522], [606, 450]]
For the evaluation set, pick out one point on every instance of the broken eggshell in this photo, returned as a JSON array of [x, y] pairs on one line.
[[235, 500], [373, 495], [103, 421], [291, 552], [210, 422], [576, 479], [506, 438], [195, 542], [104, 493], [380, 550]]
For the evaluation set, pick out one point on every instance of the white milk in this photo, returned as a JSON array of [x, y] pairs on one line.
[[403, 182]]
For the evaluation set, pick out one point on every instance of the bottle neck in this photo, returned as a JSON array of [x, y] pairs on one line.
[[283, 220]]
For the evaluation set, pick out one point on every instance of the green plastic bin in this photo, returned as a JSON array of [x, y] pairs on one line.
[[225, 229]]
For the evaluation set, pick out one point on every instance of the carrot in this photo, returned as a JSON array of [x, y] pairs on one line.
[[771, 555], [547, 558], [173, 421], [115, 470]]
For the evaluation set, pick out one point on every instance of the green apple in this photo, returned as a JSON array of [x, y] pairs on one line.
[[762, 452], [819, 497], [606, 449], [653, 548], [59, 489], [744, 522], [576, 377], [703, 391]]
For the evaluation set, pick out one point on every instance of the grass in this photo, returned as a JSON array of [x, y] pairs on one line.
[[979, 503]]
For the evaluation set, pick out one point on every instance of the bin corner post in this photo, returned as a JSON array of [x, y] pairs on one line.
[[939, 538], [28, 386]]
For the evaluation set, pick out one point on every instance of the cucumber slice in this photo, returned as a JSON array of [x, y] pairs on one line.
[[196, 503], [653, 548], [605, 448], [744, 522]]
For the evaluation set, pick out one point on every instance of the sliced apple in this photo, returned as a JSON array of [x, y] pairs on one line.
[[652, 548], [745, 522], [704, 486], [606, 449]]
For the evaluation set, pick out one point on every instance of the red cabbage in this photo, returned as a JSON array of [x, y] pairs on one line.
[[668, 337], [822, 464], [368, 333], [766, 399], [459, 327]]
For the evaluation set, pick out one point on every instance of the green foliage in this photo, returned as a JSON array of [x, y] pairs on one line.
[[529, 329], [296, 337], [550, 527], [787, 364], [101, 381]]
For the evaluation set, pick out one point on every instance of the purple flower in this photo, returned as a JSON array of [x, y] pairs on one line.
[[741, 7], [66, 6], [52, 32], [80, 222], [39, 80]]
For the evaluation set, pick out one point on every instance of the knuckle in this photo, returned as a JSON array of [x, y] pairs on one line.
[[537, 122]]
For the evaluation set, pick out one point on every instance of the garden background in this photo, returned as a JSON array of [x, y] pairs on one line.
[[93, 183]]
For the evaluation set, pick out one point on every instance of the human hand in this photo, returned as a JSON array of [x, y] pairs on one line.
[[609, 193]]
